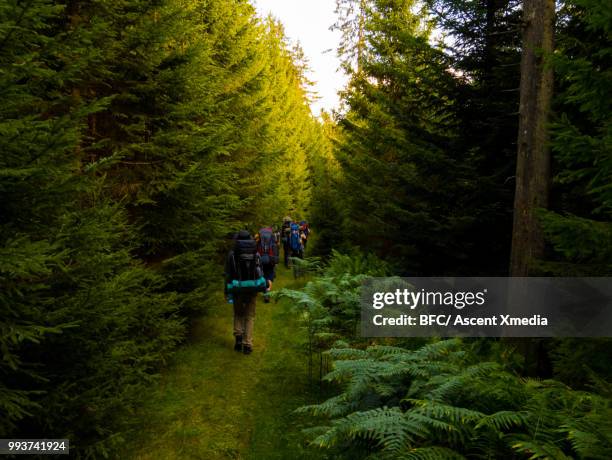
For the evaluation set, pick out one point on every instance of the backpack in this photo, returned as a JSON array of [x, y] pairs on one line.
[[285, 232], [294, 238], [247, 276], [305, 228], [267, 248]]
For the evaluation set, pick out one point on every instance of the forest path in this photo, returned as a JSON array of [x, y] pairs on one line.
[[214, 403]]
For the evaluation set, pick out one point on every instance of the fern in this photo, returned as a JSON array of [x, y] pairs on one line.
[[328, 306], [540, 450], [437, 402], [307, 266], [503, 420], [430, 453]]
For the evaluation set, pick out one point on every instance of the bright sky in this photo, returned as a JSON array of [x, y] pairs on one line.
[[308, 22]]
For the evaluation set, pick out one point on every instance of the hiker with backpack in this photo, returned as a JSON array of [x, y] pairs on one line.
[[304, 240], [295, 241], [243, 280], [285, 236], [268, 255], [305, 228]]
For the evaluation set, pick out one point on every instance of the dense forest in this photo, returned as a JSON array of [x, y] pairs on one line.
[[135, 136]]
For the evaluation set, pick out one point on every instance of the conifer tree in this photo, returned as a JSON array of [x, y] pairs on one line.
[[75, 306], [284, 134], [402, 178], [325, 208], [135, 135], [579, 228], [483, 42]]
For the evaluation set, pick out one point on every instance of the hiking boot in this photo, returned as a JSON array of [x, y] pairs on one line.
[[247, 349], [238, 344]]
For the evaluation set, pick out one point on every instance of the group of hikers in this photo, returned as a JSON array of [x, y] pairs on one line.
[[250, 268]]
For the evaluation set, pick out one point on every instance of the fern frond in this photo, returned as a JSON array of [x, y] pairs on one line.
[[445, 412], [347, 353], [437, 350], [386, 427], [540, 450], [430, 453], [504, 420], [333, 407]]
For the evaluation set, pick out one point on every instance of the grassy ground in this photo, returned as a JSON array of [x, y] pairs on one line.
[[214, 403]]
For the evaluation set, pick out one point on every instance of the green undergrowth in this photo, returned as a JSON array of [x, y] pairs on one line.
[[214, 403]]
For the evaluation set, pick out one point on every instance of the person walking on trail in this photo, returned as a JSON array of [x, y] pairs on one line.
[[305, 229], [295, 241], [268, 254], [243, 280], [286, 237]]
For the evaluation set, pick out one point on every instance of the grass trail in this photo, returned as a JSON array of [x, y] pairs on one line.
[[214, 403]]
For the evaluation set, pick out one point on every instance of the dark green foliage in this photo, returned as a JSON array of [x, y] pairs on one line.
[[426, 138], [337, 285], [425, 150], [483, 42], [401, 398], [401, 183], [580, 362], [579, 227], [425, 147], [134, 135], [441, 401], [329, 305], [164, 77], [326, 213], [83, 325]]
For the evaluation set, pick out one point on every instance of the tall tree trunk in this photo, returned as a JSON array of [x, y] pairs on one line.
[[533, 158]]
